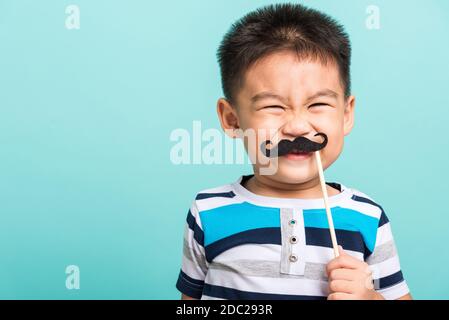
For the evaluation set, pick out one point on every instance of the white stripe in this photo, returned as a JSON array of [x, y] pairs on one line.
[[362, 207], [272, 252], [384, 234], [315, 203], [265, 252], [204, 297], [216, 202], [193, 244], [192, 269], [196, 214], [219, 189], [386, 268], [395, 292], [287, 286], [324, 255]]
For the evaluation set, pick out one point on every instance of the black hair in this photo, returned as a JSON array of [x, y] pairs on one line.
[[278, 27]]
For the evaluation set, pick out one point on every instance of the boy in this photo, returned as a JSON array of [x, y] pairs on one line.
[[286, 74]]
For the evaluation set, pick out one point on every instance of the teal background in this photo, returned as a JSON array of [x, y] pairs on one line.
[[86, 115]]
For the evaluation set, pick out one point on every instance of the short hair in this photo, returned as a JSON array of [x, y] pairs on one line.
[[273, 28]]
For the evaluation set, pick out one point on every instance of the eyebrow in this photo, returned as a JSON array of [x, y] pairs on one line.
[[324, 93], [321, 93]]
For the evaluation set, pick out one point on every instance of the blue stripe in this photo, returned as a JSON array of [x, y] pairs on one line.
[[365, 200], [222, 222], [258, 236], [201, 196], [189, 286], [350, 240], [225, 221], [389, 281], [383, 219], [234, 294], [383, 216], [345, 219], [198, 234]]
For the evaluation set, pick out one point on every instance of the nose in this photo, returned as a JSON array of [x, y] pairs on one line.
[[295, 126]]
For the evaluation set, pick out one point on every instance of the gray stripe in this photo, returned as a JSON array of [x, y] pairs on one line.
[[382, 253], [315, 271], [196, 258], [271, 269]]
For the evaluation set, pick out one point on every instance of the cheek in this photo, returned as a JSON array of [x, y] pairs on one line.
[[262, 128], [333, 127], [333, 149], [253, 136]]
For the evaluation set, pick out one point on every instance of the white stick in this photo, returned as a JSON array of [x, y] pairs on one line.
[[326, 203]]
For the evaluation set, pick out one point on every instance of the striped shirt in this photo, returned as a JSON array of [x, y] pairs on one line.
[[240, 245]]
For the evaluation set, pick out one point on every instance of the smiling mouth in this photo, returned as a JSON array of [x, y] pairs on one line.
[[296, 155], [297, 152]]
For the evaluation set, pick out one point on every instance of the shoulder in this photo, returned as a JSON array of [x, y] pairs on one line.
[[213, 198], [223, 191], [365, 204], [204, 200]]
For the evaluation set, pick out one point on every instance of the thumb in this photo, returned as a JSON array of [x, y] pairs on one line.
[[341, 251]]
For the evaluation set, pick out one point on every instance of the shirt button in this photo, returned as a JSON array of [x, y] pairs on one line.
[[293, 258], [292, 222], [293, 239]]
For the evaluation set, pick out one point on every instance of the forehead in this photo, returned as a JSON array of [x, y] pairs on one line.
[[285, 74]]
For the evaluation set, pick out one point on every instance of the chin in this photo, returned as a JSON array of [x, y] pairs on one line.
[[293, 175]]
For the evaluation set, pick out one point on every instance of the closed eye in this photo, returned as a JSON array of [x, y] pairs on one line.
[[274, 107], [318, 105]]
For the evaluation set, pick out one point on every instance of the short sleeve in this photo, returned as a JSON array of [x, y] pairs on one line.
[[194, 266], [384, 263]]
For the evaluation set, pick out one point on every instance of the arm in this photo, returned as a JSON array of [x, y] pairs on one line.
[[378, 296], [194, 265], [186, 297]]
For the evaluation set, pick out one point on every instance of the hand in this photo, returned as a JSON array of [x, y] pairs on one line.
[[350, 279]]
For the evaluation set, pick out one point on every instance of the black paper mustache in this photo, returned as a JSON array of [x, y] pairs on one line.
[[300, 144]]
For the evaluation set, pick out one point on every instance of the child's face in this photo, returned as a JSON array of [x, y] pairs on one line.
[[311, 100]]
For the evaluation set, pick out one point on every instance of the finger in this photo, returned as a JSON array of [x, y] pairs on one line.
[[341, 286], [341, 296], [342, 252], [343, 261], [341, 274]]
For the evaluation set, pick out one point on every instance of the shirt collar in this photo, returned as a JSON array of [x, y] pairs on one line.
[[316, 203]]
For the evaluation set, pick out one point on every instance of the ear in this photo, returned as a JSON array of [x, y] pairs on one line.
[[227, 115], [349, 115]]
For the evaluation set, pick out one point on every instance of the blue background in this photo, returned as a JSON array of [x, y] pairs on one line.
[[86, 116]]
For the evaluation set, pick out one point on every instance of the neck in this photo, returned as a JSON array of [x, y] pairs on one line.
[[264, 186]]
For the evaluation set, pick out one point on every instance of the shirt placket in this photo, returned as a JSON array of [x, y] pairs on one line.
[[293, 241]]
